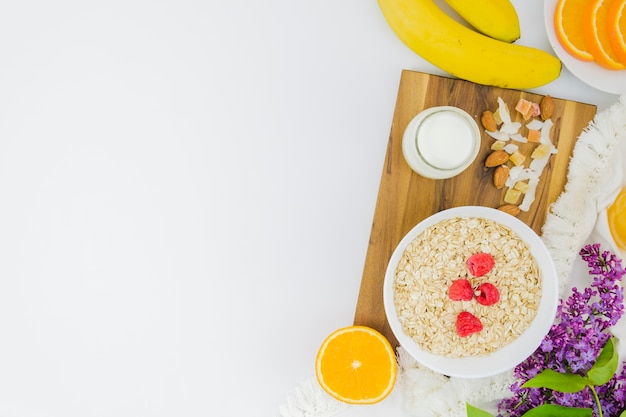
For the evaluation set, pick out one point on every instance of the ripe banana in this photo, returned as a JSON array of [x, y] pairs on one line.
[[494, 18], [464, 53]]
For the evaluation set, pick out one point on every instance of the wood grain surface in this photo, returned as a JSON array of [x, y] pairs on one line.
[[405, 198]]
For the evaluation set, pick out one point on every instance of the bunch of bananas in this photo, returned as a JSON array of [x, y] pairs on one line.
[[486, 55]]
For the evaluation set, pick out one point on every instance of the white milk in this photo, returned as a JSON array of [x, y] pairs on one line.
[[444, 140]]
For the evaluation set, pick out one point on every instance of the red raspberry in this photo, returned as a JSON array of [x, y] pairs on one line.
[[488, 294], [461, 290], [480, 263], [467, 323]]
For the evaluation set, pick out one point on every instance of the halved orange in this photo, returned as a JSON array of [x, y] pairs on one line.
[[616, 214], [616, 27], [568, 22], [356, 365], [596, 34]]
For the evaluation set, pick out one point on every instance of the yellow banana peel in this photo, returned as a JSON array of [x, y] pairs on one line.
[[495, 18], [465, 53]]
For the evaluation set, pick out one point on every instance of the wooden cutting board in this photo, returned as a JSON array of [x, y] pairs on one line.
[[405, 198]]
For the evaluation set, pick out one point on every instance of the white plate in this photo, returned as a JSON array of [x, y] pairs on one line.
[[509, 355], [588, 72]]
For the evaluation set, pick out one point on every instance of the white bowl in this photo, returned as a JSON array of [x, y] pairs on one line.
[[441, 142], [508, 356]]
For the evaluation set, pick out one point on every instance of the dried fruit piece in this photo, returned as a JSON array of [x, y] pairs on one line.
[[547, 107], [467, 323], [541, 151], [517, 158], [487, 294], [496, 158], [511, 209], [461, 290], [536, 110], [489, 121], [525, 108], [498, 145], [512, 195], [500, 176], [480, 264], [522, 187], [496, 115], [534, 135]]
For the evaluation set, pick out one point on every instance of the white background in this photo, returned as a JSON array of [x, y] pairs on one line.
[[186, 195]]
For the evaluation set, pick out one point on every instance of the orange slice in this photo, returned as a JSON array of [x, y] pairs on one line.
[[617, 219], [356, 365], [568, 22], [596, 34], [616, 27]]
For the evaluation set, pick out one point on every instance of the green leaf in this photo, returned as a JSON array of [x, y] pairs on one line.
[[553, 410], [557, 381], [606, 365], [623, 414], [476, 412]]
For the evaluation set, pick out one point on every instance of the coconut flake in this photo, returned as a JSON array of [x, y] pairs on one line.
[[518, 137], [529, 197], [498, 135], [538, 165], [503, 110], [514, 175], [511, 128], [510, 148], [525, 174], [536, 124], [545, 132]]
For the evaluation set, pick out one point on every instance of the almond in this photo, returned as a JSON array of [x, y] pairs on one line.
[[547, 107], [489, 121], [511, 209], [500, 176], [496, 158]]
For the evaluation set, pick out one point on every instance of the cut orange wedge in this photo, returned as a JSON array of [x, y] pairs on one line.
[[568, 22], [616, 214], [616, 27], [356, 365], [596, 34]]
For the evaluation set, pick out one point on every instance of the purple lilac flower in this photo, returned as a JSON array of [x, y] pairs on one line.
[[575, 341]]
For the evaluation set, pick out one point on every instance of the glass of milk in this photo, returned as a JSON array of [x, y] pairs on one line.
[[441, 142]]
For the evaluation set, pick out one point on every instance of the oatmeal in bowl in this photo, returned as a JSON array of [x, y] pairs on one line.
[[470, 292]]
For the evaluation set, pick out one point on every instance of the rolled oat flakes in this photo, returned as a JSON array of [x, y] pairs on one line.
[[437, 257]]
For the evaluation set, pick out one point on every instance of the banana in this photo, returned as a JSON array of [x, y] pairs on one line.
[[464, 53], [494, 18]]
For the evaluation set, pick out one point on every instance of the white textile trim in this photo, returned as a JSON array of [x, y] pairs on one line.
[[310, 400], [430, 394], [593, 181]]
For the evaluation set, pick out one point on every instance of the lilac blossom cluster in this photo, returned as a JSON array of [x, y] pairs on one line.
[[575, 341]]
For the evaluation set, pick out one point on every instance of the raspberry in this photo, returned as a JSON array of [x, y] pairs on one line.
[[488, 294], [480, 263], [467, 323], [461, 290]]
